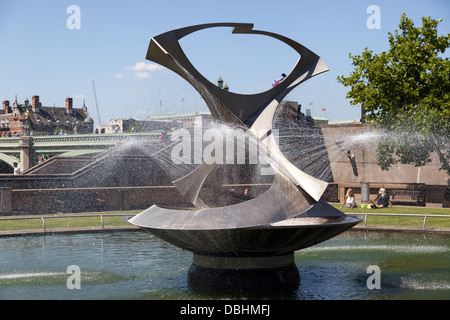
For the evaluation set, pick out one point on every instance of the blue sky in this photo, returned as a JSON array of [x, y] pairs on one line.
[[40, 55]]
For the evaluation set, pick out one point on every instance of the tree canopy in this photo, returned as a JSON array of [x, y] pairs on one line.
[[406, 92]]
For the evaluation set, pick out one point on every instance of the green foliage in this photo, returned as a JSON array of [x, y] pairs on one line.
[[406, 91]]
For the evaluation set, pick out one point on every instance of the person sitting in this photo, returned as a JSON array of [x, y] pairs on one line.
[[382, 199], [278, 81], [349, 199]]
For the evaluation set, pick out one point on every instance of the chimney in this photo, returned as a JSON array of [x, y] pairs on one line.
[[35, 104], [69, 105], [6, 107]]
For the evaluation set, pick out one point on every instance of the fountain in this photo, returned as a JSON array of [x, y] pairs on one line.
[[250, 244]]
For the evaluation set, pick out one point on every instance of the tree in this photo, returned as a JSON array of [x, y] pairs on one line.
[[406, 92]]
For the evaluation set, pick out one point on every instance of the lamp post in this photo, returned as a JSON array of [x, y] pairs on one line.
[[363, 113]]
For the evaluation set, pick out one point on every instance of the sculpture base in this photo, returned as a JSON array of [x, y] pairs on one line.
[[248, 273]]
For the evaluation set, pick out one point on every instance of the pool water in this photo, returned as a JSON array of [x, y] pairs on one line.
[[137, 265]]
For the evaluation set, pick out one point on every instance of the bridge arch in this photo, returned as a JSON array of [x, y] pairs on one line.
[[6, 163]]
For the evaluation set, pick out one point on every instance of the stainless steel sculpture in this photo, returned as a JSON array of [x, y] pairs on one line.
[[249, 244]]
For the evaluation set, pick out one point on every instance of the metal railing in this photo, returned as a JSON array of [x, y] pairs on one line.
[[42, 218], [8, 145], [424, 216], [102, 222]]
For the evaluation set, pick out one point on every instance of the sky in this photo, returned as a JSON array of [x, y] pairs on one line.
[[57, 49]]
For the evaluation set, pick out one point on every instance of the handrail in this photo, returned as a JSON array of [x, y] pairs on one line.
[[70, 216], [110, 139], [425, 216]]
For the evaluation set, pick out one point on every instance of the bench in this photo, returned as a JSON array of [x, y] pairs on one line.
[[408, 196]]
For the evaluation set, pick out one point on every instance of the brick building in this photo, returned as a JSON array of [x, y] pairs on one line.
[[22, 119]]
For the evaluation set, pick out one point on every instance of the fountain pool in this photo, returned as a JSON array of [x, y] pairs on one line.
[[132, 265]]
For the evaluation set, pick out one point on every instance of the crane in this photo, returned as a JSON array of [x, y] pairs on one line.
[[96, 104]]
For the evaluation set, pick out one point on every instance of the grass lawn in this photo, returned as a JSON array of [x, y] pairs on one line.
[[63, 221], [111, 218], [403, 220]]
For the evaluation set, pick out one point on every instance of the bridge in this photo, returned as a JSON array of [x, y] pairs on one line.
[[29, 150]]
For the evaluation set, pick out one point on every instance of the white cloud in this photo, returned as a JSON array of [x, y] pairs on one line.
[[142, 66], [140, 70]]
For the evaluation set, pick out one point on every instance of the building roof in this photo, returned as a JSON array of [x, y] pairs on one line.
[[58, 114], [48, 118]]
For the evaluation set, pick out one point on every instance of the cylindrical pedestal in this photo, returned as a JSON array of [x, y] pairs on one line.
[[272, 272], [365, 193]]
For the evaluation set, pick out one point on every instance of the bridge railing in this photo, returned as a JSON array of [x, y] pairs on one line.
[[9, 142], [81, 138]]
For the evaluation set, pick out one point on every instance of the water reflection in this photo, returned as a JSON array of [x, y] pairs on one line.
[[135, 265]]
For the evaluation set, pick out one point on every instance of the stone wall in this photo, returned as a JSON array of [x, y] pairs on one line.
[[362, 141], [72, 200], [352, 156], [75, 200]]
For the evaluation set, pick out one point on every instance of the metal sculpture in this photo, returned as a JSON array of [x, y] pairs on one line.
[[232, 242]]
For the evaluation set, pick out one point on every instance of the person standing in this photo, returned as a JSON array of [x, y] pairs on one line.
[[16, 169]]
